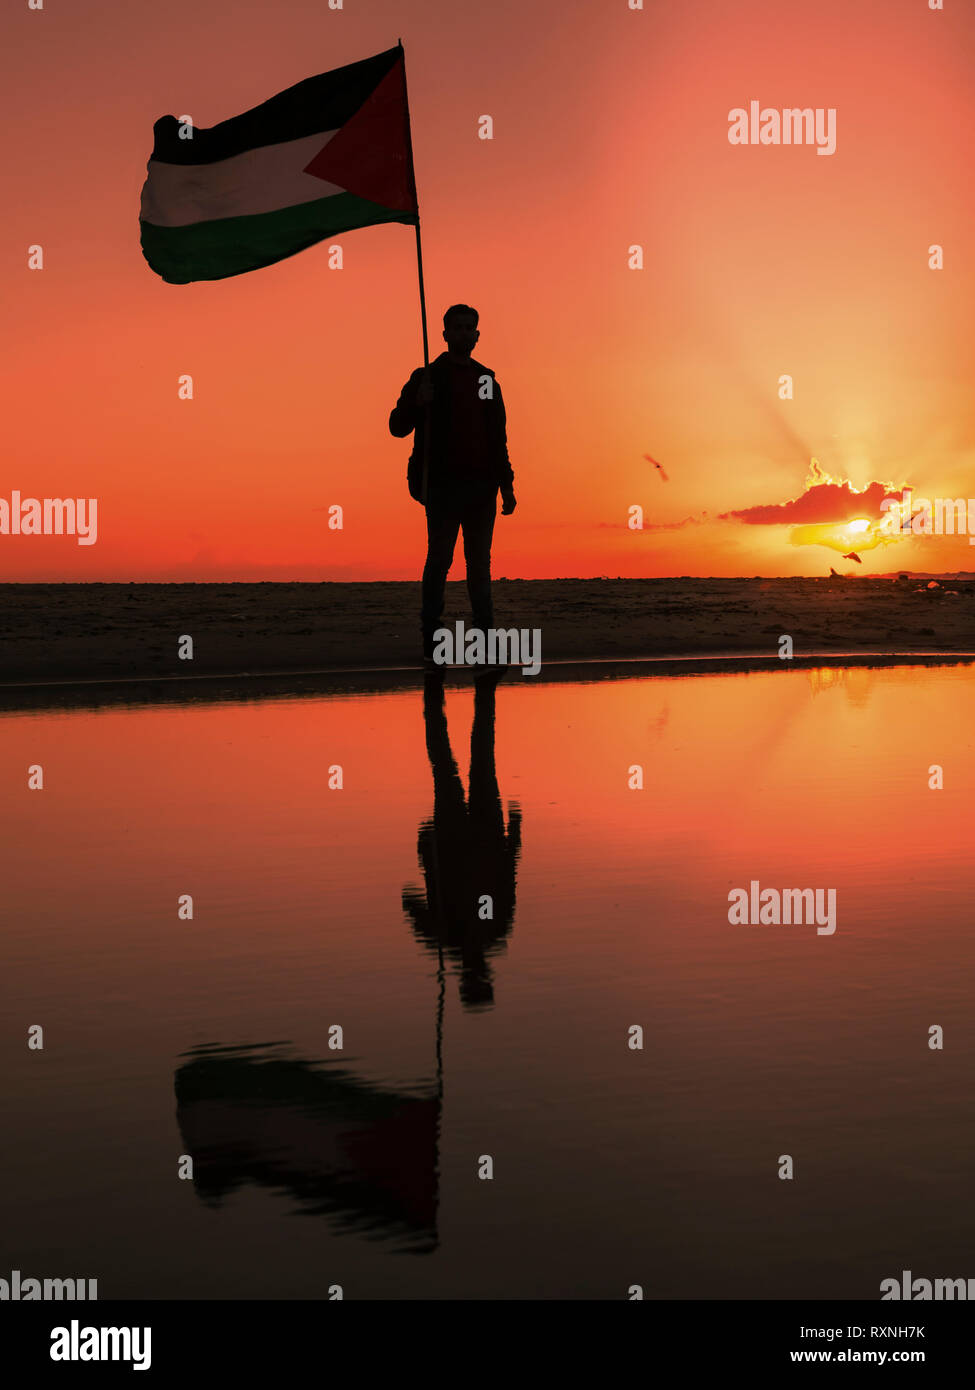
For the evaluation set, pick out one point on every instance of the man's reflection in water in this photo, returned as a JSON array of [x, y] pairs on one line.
[[467, 855]]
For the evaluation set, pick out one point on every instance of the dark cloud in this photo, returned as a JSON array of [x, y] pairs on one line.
[[674, 525], [650, 525], [822, 502]]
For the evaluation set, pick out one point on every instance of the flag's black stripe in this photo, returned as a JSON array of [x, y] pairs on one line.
[[319, 103]]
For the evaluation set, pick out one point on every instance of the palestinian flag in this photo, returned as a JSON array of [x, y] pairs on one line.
[[337, 1145], [327, 155]]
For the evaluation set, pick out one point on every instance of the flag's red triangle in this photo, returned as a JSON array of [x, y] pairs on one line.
[[370, 155]]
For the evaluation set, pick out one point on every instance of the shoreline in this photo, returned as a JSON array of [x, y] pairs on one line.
[[219, 688], [128, 637]]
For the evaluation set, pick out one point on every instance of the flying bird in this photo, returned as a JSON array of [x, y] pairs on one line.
[[853, 556], [658, 466]]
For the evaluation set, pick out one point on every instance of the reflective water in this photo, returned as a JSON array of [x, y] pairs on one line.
[[485, 914]]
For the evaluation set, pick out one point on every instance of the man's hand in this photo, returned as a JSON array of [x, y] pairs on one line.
[[424, 392], [508, 502]]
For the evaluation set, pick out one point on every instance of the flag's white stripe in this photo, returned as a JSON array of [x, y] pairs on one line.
[[262, 180]]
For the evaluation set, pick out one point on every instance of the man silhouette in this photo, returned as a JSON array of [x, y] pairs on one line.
[[465, 849], [458, 464]]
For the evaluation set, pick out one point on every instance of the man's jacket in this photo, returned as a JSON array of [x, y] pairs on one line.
[[407, 416]]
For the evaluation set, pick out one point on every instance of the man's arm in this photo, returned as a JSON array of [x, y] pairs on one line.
[[506, 477], [402, 418]]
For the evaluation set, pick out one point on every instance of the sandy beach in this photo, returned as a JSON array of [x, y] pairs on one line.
[[70, 632]]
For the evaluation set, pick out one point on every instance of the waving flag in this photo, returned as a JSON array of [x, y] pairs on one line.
[[365, 1156], [327, 155]]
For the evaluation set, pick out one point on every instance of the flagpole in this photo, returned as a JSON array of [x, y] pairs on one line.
[[419, 272], [419, 252], [423, 494]]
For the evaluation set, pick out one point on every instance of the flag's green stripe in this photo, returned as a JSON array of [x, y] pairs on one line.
[[317, 104], [232, 245]]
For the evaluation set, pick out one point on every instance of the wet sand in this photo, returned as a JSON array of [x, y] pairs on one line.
[[72, 632]]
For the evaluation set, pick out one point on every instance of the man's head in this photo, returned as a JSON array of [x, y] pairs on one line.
[[460, 329]]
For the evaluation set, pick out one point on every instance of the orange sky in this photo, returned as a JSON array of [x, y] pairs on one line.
[[610, 129]]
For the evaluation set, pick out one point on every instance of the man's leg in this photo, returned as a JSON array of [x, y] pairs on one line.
[[478, 522], [442, 527]]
